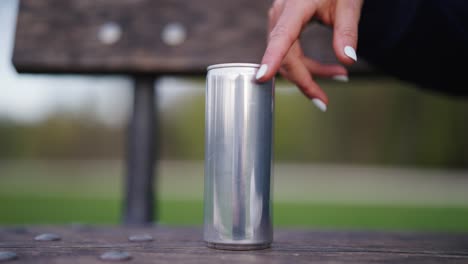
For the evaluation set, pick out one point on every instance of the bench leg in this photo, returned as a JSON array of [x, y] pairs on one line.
[[139, 196]]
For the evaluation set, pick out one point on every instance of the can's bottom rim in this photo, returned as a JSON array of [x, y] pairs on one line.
[[238, 247], [227, 65]]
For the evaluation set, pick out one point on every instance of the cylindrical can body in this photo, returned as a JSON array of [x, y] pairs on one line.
[[238, 158]]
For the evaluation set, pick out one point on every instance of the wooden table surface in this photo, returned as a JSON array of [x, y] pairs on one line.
[[85, 244]]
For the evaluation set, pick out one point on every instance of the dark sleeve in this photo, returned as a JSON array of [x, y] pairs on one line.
[[424, 42]]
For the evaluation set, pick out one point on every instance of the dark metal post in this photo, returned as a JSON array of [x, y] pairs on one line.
[[139, 197]]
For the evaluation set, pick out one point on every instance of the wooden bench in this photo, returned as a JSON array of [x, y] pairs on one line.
[[89, 244], [147, 39]]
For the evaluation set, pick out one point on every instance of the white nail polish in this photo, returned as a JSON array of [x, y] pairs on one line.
[[320, 104], [341, 78], [350, 52], [261, 71]]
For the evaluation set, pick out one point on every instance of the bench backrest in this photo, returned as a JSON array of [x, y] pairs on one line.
[[148, 36]]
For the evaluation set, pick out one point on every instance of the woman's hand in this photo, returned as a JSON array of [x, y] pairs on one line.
[[287, 18]]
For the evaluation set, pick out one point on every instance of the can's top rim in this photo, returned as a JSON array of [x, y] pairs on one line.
[[227, 65]]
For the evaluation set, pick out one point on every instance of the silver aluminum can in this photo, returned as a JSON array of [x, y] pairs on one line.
[[238, 158]]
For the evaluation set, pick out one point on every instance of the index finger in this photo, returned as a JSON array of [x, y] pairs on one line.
[[345, 32], [281, 38]]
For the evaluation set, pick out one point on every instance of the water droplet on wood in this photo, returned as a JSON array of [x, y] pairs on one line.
[[116, 255], [140, 238], [47, 237], [7, 255]]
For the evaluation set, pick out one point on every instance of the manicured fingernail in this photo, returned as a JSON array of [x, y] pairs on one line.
[[341, 78], [320, 104], [350, 52], [261, 71]]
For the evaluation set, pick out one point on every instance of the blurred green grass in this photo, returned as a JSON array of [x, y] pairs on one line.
[[309, 196], [60, 210]]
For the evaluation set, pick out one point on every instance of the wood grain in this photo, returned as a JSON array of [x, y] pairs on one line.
[[184, 245], [56, 36]]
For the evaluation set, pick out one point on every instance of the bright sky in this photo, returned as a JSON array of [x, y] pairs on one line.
[[31, 98]]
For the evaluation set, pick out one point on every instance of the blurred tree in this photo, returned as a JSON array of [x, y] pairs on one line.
[[370, 121]]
